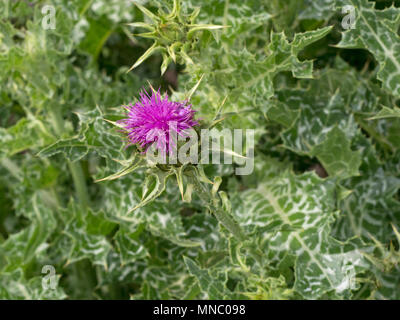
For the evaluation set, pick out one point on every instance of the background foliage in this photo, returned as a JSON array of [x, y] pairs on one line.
[[321, 211]]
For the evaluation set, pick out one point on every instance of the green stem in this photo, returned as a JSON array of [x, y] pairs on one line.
[[79, 183], [224, 218], [74, 167], [56, 197], [215, 207], [12, 168]]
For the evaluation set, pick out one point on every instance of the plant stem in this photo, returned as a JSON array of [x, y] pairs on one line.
[[79, 183], [74, 167], [224, 218], [12, 168], [215, 207]]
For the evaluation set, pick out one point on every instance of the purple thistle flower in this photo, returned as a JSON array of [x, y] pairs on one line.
[[151, 119]]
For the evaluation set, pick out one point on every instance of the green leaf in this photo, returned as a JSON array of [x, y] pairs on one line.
[[154, 186], [377, 32], [336, 156], [134, 164], [94, 136], [22, 136], [14, 286], [388, 285], [129, 245], [387, 113], [370, 208], [98, 224], [164, 220], [98, 33], [21, 248], [95, 247], [256, 75], [242, 18], [297, 212], [314, 122], [321, 10], [214, 286]]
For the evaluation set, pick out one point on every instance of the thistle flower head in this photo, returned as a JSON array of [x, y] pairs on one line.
[[154, 119]]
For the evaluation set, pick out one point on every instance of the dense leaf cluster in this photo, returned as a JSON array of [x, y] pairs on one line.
[[318, 217]]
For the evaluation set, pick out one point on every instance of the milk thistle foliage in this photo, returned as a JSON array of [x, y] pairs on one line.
[[150, 120], [174, 34], [152, 117], [319, 217]]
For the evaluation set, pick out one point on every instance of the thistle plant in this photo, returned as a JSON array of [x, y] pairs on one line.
[[149, 123], [175, 34], [87, 210]]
